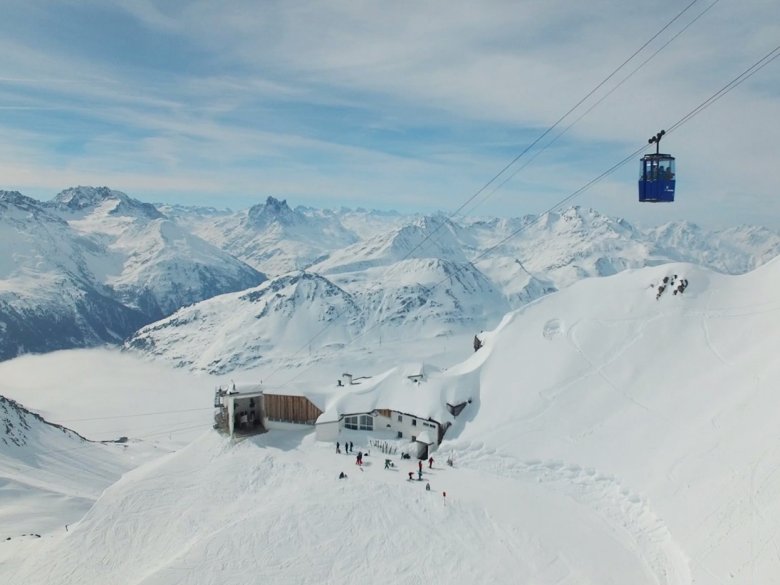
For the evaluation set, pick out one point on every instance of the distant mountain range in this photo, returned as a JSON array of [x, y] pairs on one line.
[[93, 265], [97, 266]]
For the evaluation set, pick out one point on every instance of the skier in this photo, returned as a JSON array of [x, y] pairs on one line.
[[430, 463], [351, 445], [419, 465], [411, 475], [342, 475], [338, 447], [427, 487]]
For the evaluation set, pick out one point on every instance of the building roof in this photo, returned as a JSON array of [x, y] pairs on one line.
[[393, 390], [244, 390], [234, 395]]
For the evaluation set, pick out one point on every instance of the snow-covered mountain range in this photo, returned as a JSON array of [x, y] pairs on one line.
[[421, 279], [94, 265], [269, 236]]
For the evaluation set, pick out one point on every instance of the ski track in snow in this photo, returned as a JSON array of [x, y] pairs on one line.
[[624, 512], [599, 368], [704, 325]]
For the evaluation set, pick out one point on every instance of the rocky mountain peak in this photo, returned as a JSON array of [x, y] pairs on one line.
[[273, 210], [18, 200], [27, 205], [81, 197]]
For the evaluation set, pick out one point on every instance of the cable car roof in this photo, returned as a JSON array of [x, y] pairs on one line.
[[657, 156]]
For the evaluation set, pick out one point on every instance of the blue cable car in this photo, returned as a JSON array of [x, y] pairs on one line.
[[657, 176]]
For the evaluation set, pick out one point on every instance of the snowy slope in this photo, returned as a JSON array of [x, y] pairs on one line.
[[306, 317], [564, 247], [49, 475], [367, 223], [259, 512], [732, 250], [427, 297], [658, 411], [241, 329], [614, 438], [427, 237]]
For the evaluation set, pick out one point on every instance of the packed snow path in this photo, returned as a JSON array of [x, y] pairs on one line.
[[272, 509], [625, 513]]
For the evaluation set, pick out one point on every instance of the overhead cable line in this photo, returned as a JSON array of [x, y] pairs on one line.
[[495, 177], [741, 78], [593, 106], [563, 117], [89, 442], [156, 412]]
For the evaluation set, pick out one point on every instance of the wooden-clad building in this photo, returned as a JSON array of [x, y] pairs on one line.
[[249, 410], [290, 409]]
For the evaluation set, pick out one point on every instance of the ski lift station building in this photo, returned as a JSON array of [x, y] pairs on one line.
[[415, 403]]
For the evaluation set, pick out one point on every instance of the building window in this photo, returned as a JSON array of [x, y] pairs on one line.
[[362, 422], [366, 423], [400, 418], [414, 422]]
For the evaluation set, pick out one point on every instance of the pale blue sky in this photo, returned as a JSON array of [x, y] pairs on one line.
[[394, 105]]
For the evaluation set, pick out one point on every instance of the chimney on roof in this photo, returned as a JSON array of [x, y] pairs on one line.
[[347, 378]]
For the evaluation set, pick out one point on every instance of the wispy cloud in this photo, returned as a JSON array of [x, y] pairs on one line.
[[347, 103]]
